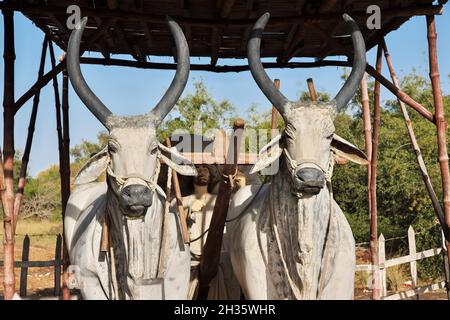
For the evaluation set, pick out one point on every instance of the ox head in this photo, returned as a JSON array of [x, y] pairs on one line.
[[132, 155], [309, 141]]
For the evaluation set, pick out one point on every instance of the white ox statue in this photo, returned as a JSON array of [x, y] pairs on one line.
[[290, 239], [143, 262]]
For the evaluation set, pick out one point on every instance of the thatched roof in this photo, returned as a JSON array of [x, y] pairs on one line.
[[219, 28]]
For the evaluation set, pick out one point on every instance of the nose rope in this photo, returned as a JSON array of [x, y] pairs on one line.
[[122, 180], [294, 165]]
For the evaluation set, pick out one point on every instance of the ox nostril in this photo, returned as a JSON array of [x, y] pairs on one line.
[[310, 175], [136, 194]]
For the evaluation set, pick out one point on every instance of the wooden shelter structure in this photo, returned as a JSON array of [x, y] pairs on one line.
[[214, 29]]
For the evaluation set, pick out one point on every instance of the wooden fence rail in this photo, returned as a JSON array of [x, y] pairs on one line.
[[412, 259], [24, 264]]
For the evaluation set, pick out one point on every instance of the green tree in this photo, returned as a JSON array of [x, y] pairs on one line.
[[199, 106]]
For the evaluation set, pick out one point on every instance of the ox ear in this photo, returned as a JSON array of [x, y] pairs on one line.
[[178, 163], [342, 149], [268, 155], [93, 168]]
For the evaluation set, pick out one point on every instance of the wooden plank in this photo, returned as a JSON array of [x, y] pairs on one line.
[[412, 254], [413, 292], [407, 259], [381, 261], [358, 14], [24, 270], [32, 264], [446, 264], [364, 267]]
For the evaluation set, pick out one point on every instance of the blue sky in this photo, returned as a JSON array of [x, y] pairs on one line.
[[133, 91]]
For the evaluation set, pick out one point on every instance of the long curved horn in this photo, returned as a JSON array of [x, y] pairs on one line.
[[181, 76], [358, 69], [254, 60], [100, 111]]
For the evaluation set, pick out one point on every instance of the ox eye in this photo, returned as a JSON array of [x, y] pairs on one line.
[[329, 137], [153, 150], [112, 148]]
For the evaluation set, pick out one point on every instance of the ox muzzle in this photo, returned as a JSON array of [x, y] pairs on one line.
[[308, 177], [135, 199]]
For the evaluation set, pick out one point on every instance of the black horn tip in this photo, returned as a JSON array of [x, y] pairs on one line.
[[169, 19]]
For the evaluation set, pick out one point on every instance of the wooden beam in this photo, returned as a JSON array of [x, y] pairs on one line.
[[137, 54], [208, 67], [29, 142], [208, 22], [61, 27], [112, 4], [400, 94], [293, 37], [37, 86], [102, 30], [326, 5], [225, 10], [148, 34], [216, 40]]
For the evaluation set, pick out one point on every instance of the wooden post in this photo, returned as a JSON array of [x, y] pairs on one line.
[[400, 94], [8, 155], [367, 136], [64, 170], [380, 266], [312, 90], [441, 124], [412, 137], [58, 263], [373, 179], [274, 122], [24, 269], [446, 263], [209, 262], [179, 199], [412, 254], [29, 142]]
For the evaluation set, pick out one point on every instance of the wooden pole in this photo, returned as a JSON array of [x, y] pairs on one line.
[[179, 199], [367, 136], [8, 155], [209, 261], [312, 90], [415, 144], [441, 123], [274, 122], [24, 269], [26, 154], [209, 67], [65, 175], [400, 94], [373, 182]]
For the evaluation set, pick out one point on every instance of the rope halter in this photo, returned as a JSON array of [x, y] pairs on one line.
[[150, 182], [294, 165]]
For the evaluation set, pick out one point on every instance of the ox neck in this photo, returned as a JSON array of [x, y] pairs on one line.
[[300, 227], [136, 245]]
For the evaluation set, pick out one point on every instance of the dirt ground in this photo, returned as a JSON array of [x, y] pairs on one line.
[[42, 248]]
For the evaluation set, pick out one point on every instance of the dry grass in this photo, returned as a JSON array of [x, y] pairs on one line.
[[42, 248]]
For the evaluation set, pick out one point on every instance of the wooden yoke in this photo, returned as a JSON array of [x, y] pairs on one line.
[[209, 262]]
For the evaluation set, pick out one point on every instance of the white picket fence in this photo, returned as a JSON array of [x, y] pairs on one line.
[[412, 259]]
